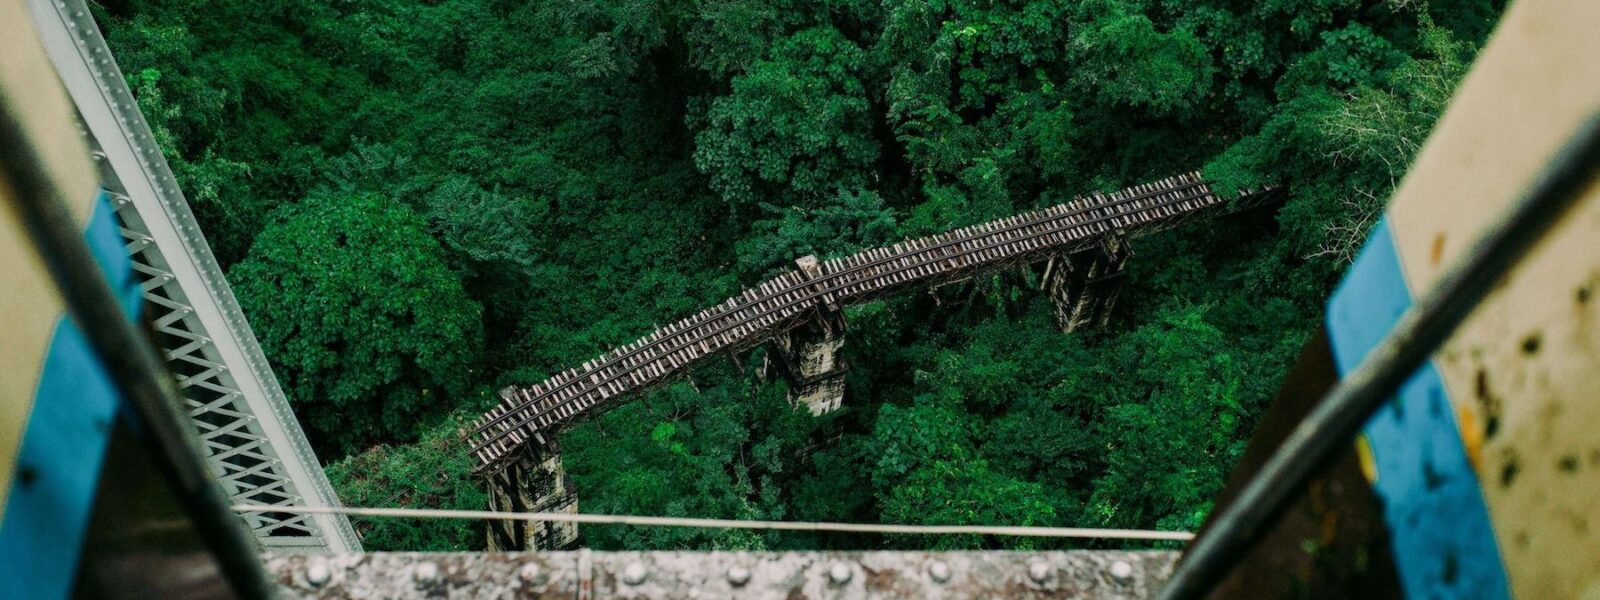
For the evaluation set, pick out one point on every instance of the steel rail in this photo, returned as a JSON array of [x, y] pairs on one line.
[[165, 236], [801, 300], [752, 524], [813, 295], [858, 268]]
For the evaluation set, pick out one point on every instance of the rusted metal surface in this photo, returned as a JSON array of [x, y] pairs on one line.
[[1090, 575], [532, 415], [1485, 467], [1523, 374]]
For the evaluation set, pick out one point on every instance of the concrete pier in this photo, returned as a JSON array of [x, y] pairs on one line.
[[1084, 285], [809, 355], [535, 482]]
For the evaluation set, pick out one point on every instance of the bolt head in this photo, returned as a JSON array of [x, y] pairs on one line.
[[738, 576], [426, 572], [529, 573], [634, 573], [1121, 571], [1039, 571], [939, 571], [318, 574], [839, 573]]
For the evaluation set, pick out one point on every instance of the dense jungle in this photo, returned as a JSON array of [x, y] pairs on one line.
[[419, 202]]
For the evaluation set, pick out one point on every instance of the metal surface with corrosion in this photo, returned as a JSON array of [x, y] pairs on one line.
[[1090, 575], [1522, 374]]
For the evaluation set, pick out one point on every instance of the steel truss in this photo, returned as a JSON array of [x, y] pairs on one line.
[[253, 444]]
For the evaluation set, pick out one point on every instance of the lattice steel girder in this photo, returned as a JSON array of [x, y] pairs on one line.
[[254, 445]]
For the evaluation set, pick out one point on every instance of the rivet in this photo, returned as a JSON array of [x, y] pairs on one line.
[[939, 571], [425, 572], [738, 576], [633, 574], [318, 574], [529, 573], [1121, 571], [1038, 571], [839, 573]]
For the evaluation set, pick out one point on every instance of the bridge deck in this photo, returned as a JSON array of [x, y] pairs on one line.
[[534, 412]]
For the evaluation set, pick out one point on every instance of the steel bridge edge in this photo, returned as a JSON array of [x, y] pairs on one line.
[[86, 66]]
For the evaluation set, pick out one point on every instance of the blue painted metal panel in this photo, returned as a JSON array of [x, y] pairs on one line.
[[64, 442], [1443, 539]]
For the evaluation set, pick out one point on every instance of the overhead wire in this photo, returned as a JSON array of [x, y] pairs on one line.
[[649, 521]]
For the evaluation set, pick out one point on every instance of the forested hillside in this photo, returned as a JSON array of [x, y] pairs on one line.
[[419, 202]]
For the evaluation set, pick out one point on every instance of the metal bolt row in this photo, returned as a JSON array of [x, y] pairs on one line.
[[425, 573], [318, 573], [634, 574]]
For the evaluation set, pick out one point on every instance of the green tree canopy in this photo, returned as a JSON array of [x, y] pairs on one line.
[[797, 126], [365, 327], [418, 198]]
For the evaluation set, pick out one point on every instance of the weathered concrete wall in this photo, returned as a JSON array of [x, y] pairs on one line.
[[1084, 286], [536, 482], [810, 355]]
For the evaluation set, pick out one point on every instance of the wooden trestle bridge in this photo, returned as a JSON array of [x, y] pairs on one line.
[[1084, 242]]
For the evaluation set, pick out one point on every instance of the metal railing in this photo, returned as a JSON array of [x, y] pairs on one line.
[[252, 442]]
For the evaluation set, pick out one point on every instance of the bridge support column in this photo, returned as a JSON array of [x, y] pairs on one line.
[[535, 482], [1084, 285], [810, 355]]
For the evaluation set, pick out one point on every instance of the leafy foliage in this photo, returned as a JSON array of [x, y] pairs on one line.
[[434, 473], [797, 126], [377, 330], [422, 201]]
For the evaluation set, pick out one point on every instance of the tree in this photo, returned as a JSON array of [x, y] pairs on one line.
[[375, 172], [1128, 63], [433, 473], [848, 222], [796, 127], [365, 327], [965, 491], [1169, 441]]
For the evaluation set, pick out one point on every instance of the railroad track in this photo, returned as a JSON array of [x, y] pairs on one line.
[[532, 413]]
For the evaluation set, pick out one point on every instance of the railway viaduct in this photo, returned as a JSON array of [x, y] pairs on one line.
[[259, 453], [1082, 243]]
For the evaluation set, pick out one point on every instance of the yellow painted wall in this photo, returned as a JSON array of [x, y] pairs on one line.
[[1524, 371], [29, 306]]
